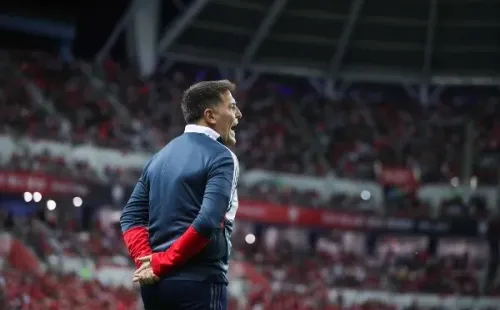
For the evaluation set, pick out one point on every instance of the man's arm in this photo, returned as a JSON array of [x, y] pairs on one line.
[[134, 221], [218, 193]]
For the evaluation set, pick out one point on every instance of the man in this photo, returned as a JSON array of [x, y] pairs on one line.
[[179, 218]]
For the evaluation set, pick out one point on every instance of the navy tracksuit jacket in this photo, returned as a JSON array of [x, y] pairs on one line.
[[184, 205]]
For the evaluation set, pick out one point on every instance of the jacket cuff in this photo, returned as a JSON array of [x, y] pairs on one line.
[[187, 246]]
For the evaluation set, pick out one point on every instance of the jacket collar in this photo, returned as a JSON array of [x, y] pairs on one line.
[[204, 130]]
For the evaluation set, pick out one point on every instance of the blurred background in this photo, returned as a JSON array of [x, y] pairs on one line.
[[369, 147]]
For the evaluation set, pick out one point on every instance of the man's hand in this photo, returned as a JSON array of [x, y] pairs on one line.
[[144, 274]]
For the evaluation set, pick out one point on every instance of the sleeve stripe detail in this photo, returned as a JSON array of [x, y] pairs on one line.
[[236, 172]]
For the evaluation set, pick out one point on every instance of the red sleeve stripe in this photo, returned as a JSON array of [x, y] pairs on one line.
[[188, 245], [137, 241]]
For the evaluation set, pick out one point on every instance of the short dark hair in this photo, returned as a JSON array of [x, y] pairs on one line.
[[201, 96]]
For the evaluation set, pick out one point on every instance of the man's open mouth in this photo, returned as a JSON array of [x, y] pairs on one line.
[[232, 129]]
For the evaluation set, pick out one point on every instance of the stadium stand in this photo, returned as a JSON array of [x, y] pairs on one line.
[[396, 264], [378, 193]]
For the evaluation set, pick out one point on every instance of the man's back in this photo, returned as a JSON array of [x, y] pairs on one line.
[[174, 187], [177, 178]]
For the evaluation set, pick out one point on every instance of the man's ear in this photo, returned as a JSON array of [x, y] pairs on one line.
[[209, 116]]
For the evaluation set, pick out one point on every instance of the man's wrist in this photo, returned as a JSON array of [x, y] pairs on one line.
[[137, 262], [158, 265]]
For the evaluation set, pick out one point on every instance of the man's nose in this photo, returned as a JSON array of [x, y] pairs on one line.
[[238, 113]]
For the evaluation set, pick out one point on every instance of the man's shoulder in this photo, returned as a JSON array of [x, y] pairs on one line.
[[227, 152]]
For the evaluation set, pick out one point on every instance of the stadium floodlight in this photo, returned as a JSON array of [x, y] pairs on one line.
[[37, 197], [51, 205], [250, 238], [28, 196], [77, 202], [365, 195]]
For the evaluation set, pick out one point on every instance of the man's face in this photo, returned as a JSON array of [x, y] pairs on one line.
[[227, 115]]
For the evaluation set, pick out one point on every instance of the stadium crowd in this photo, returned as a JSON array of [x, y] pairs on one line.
[[111, 107], [369, 125]]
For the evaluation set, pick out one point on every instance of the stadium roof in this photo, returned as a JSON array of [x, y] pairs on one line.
[[392, 40], [413, 41]]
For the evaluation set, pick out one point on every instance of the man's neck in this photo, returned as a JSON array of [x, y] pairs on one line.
[[206, 130]]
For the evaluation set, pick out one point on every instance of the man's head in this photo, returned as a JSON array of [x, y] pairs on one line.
[[211, 104]]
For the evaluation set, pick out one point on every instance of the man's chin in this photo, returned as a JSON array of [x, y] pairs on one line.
[[230, 142]]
